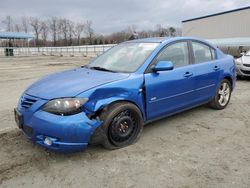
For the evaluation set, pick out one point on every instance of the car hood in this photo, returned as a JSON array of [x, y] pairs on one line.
[[71, 83], [246, 59]]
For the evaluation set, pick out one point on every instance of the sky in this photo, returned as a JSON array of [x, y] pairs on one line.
[[115, 15]]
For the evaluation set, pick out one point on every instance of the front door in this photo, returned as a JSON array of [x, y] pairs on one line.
[[170, 91]]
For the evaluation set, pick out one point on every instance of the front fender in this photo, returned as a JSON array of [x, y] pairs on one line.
[[103, 97]]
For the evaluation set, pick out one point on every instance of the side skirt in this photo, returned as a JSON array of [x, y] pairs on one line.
[[177, 112]]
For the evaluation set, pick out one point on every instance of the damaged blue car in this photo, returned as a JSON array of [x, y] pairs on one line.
[[136, 82]]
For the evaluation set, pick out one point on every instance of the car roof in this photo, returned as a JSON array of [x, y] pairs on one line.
[[161, 39], [153, 40]]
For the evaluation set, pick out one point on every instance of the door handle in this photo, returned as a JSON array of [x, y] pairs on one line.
[[216, 68], [188, 74]]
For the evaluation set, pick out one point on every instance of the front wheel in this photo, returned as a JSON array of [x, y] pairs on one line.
[[223, 95], [122, 124]]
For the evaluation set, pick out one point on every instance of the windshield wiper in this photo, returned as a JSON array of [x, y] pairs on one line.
[[101, 69]]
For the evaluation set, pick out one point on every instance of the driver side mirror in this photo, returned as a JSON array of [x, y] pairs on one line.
[[163, 66]]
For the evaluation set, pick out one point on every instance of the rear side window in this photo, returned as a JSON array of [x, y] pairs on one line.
[[202, 52], [177, 53]]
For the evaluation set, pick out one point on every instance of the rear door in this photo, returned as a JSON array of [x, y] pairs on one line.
[[170, 91], [207, 71]]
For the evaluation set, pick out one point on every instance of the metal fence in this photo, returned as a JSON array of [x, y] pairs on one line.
[[88, 50]]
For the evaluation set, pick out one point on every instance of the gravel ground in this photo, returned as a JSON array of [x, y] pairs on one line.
[[201, 147]]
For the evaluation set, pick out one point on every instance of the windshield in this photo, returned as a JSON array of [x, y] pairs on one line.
[[125, 57]]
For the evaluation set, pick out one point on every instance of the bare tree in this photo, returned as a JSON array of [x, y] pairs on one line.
[[35, 23], [54, 27], [63, 26], [44, 32], [131, 29], [145, 34], [62, 31], [172, 31], [8, 22], [79, 28], [25, 24], [89, 30], [118, 37], [71, 30], [159, 30], [17, 28]]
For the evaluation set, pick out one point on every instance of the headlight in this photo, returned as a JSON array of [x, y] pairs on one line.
[[65, 106]]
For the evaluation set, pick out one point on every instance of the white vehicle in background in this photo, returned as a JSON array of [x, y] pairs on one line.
[[234, 47], [243, 65]]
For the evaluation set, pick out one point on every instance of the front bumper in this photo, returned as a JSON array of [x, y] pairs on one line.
[[243, 70], [66, 133]]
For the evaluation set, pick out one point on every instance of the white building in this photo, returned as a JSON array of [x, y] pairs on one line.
[[229, 24], [229, 30]]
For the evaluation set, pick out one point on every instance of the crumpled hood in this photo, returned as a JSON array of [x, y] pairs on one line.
[[71, 83]]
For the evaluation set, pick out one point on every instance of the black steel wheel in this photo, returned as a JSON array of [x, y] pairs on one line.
[[122, 125]]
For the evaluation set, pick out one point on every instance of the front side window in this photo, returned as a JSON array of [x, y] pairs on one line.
[[126, 57], [202, 52], [176, 53]]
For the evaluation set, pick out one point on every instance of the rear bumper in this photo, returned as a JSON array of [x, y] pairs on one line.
[[65, 133]]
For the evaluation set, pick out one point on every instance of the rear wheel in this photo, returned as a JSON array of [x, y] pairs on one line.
[[223, 95], [122, 125]]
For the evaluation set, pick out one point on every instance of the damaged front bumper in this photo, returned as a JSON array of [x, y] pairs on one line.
[[57, 133]]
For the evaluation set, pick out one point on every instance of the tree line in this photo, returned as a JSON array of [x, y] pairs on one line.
[[58, 31]]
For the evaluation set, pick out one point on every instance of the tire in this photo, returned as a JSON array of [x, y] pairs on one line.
[[122, 125], [223, 95]]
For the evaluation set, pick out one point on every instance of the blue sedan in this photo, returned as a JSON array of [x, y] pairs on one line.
[[110, 100]]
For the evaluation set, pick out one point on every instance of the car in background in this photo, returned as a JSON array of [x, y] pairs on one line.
[[243, 65], [136, 82]]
